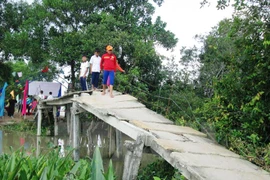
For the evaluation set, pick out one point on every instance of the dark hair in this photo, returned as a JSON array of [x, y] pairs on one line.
[[41, 91], [97, 50], [50, 93]]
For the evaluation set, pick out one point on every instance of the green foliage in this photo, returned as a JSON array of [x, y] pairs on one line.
[[18, 165], [23, 126], [98, 170], [235, 60], [159, 168], [5, 73], [55, 31], [50, 166], [97, 166]]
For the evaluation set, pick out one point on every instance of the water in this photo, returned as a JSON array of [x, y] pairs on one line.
[[95, 133]]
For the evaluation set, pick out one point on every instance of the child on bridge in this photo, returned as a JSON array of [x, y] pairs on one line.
[[108, 64]]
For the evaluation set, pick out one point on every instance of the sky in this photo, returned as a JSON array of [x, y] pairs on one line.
[[185, 19]]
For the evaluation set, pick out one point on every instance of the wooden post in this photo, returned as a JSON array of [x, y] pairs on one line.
[[110, 134], [75, 131], [118, 144], [133, 158], [38, 146], [67, 114], [76, 137], [39, 120], [55, 121]]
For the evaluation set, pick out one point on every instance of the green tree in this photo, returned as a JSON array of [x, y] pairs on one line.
[[235, 59], [5, 73]]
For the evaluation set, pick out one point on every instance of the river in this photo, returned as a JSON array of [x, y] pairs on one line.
[[95, 133]]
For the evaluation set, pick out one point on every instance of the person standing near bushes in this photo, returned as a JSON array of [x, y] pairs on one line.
[[108, 65], [11, 107], [84, 71], [95, 68]]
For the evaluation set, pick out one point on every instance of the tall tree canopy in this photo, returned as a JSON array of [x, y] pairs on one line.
[[61, 31]]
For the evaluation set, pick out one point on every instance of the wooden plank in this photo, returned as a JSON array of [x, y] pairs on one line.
[[168, 128], [197, 148], [142, 114]]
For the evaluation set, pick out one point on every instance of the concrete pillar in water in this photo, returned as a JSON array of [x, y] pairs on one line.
[[67, 114], [75, 130], [118, 144], [38, 146], [39, 120], [133, 158], [110, 134], [55, 121]]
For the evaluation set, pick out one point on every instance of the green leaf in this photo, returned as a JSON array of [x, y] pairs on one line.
[[76, 167], [97, 166], [110, 173]]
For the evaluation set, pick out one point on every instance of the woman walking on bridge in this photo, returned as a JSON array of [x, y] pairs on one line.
[[108, 64]]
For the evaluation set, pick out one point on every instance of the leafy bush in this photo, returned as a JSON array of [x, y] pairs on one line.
[[159, 168], [20, 166]]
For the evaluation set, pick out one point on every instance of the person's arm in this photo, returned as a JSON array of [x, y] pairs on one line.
[[87, 69], [101, 63], [115, 63], [118, 67], [80, 71], [91, 65]]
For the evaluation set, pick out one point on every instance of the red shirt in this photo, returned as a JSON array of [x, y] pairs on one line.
[[108, 62]]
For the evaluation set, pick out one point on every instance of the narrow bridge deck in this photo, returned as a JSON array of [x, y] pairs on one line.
[[188, 150]]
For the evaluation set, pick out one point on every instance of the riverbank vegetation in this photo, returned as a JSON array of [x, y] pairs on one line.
[[223, 89], [23, 166]]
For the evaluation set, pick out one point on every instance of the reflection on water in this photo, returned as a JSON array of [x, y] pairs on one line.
[[95, 133]]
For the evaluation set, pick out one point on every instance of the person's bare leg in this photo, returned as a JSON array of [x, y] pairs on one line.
[[104, 89], [111, 91]]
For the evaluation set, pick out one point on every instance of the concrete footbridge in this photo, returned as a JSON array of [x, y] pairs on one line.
[[188, 150]]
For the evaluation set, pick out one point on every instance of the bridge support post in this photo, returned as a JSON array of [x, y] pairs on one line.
[[75, 131], [110, 134], [38, 146], [67, 114], [39, 120], [118, 144], [55, 121], [133, 158]]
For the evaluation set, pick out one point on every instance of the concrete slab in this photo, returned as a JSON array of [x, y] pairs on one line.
[[197, 139], [216, 162], [195, 148], [168, 128], [120, 105], [142, 114], [221, 174], [168, 136]]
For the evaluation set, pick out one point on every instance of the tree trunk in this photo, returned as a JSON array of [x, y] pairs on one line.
[[73, 78]]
